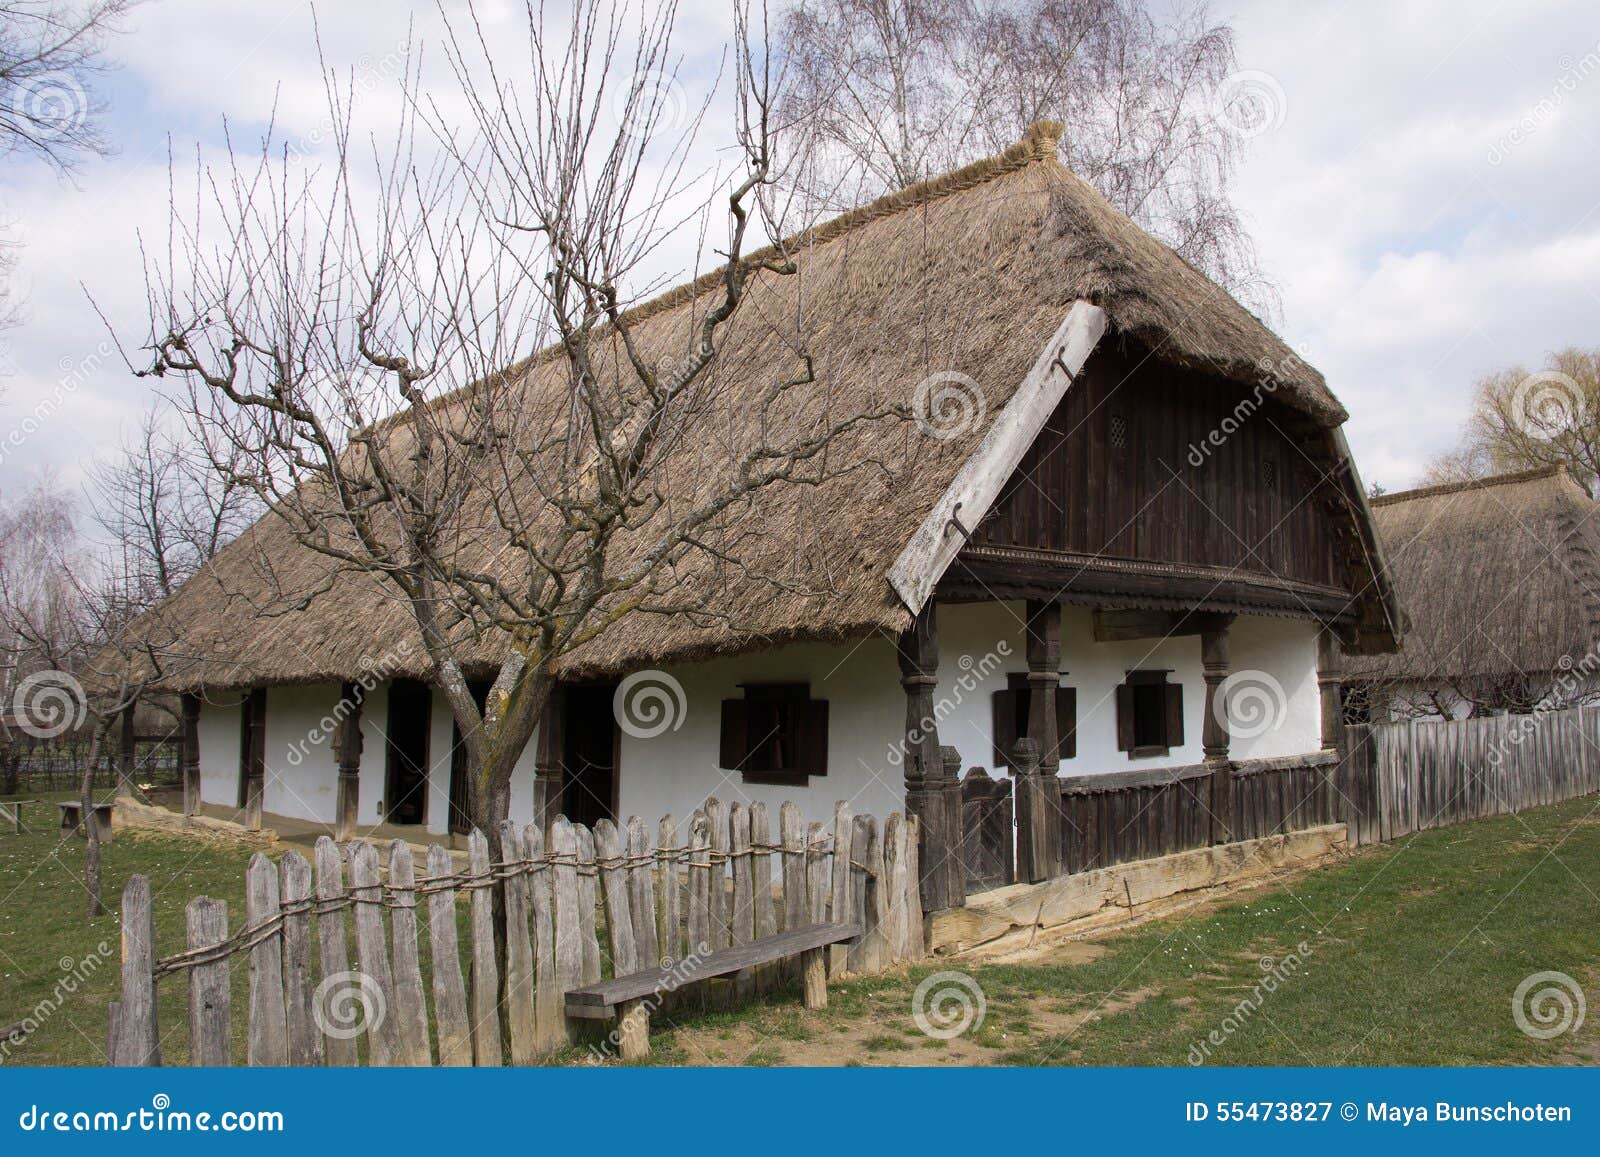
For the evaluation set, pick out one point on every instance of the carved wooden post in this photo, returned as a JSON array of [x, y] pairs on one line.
[[1329, 684], [1330, 679], [925, 780], [1038, 795], [125, 749], [189, 754], [1214, 731], [348, 754], [549, 782], [955, 827]]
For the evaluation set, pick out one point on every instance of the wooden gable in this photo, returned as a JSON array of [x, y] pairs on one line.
[[1146, 462]]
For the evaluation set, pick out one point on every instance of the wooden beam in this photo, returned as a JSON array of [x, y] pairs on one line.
[[189, 754], [1214, 731], [347, 804], [1114, 626], [935, 543]]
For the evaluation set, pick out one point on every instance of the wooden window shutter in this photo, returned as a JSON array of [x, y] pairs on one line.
[[1174, 714], [1067, 721], [735, 741], [1125, 717], [1003, 724], [811, 737]]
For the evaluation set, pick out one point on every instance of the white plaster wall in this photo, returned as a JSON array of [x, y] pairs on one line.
[[219, 750], [1284, 651], [675, 771], [301, 768]]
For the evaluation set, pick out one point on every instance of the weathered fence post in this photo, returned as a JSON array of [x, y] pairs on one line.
[[485, 971], [569, 945], [268, 1043], [299, 987], [375, 977], [550, 1018], [411, 1015], [520, 1011], [670, 889], [449, 987], [840, 909], [332, 947], [633, 1016], [137, 1037], [210, 999]]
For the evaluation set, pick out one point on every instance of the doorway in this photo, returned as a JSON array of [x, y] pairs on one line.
[[589, 754], [405, 792]]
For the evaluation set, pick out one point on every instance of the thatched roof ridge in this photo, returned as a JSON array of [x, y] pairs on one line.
[[970, 272], [1499, 576]]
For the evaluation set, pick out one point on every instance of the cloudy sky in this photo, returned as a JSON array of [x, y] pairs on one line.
[[1426, 198]]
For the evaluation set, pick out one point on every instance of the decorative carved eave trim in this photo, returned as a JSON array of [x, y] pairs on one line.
[[936, 542]]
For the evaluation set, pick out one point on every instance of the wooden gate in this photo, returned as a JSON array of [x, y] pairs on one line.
[[987, 851]]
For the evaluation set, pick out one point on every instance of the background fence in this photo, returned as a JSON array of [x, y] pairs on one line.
[[579, 906], [1399, 778]]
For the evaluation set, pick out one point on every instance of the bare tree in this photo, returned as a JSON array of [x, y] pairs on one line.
[[61, 635], [1522, 420], [367, 364], [165, 509], [901, 90], [52, 52]]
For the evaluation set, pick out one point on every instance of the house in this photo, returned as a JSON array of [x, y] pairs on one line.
[[1501, 580], [1146, 493]]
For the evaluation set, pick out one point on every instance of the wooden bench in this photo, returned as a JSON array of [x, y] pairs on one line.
[[11, 811], [625, 996], [72, 819]]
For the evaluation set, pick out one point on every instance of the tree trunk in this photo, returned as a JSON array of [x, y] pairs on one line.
[[91, 830]]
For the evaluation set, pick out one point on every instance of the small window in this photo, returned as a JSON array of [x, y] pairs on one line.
[[776, 734], [1119, 432], [1009, 719], [1269, 473], [1149, 714]]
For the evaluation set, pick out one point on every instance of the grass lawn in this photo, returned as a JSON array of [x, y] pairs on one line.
[[1412, 954]]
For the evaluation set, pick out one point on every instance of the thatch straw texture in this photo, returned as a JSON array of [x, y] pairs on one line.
[[970, 273], [1498, 577]]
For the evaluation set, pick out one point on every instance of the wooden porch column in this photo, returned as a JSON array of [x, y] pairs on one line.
[[926, 777], [1038, 796], [1330, 680], [347, 751], [125, 750], [1214, 730], [189, 754], [549, 759]]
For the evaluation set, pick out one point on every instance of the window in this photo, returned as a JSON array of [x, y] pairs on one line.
[[1009, 716], [776, 734], [1149, 714]]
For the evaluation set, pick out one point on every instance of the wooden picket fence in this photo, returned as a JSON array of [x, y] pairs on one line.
[[575, 902], [1408, 777]]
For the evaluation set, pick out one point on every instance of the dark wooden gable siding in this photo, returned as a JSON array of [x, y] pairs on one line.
[[1112, 474]]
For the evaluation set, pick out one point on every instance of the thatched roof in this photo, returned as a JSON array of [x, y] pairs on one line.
[[971, 272], [1498, 576]]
